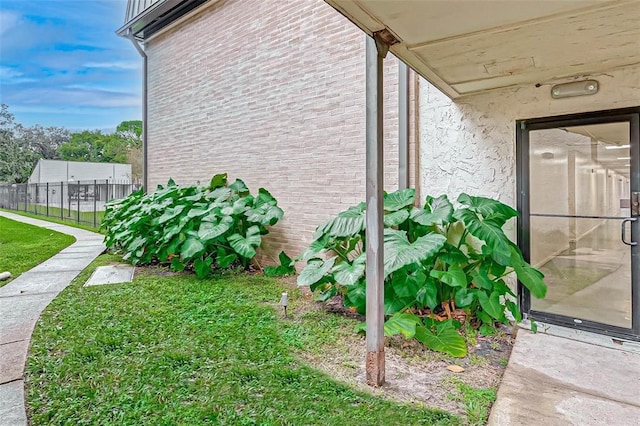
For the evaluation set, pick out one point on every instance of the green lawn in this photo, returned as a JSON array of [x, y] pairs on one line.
[[174, 350], [62, 214], [56, 219], [24, 246]]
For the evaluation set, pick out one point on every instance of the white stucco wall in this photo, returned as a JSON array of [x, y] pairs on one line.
[[469, 145]]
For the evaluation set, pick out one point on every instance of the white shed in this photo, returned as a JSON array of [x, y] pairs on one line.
[[49, 171]]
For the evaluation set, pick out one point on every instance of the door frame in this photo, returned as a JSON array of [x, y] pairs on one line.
[[523, 127]]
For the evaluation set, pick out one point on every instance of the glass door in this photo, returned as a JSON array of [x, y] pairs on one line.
[[579, 189]]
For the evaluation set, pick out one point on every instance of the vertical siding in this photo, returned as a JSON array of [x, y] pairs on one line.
[[272, 92]]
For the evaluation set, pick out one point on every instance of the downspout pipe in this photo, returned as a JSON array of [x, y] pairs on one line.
[[403, 125], [145, 97]]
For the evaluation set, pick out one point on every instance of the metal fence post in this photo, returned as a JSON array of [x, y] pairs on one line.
[[47, 199], [61, 200], [95, 204], [78, 195]]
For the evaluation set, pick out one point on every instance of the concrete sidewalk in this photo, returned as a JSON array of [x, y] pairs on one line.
[[554, 380], [22, 301]]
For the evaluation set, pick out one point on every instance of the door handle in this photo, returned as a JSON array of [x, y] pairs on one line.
[[624, 231]]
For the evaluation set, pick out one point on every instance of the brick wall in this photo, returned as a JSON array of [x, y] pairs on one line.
[[272, 92]]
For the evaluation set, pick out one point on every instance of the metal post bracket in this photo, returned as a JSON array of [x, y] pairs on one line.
[[384, 39]]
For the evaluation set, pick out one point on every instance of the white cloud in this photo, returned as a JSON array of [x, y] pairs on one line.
[[8, 20], [121, 65], [12, 76]]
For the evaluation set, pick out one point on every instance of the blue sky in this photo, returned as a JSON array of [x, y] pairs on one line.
[[61, 64]]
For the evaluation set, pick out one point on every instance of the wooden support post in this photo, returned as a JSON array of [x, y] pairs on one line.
[[375, 370]]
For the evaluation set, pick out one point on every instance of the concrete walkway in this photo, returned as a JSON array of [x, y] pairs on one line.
[[553, 380], [23, 300]]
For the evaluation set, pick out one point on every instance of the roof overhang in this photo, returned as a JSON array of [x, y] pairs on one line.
[[146, 17], [470, 46]]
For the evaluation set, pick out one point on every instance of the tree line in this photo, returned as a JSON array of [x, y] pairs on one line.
[[22, 146]]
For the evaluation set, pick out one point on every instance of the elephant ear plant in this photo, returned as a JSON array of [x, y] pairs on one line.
[[442, 266], [191, 226]]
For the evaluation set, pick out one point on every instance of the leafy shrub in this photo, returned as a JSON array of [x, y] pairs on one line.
[[440, 264], [192, 226]]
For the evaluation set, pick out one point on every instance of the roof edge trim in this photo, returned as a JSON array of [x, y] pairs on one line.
[[158, 16]]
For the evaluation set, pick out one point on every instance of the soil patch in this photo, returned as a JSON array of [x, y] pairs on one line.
[[413, 373]]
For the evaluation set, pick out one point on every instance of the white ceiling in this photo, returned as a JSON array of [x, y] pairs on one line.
[[469, 46]]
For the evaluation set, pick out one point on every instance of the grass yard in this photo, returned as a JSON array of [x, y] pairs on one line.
[[174, 350], [56, 219], [24, 246]]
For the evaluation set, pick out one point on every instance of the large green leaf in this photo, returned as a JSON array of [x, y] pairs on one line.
[[399, 199], [202, 267], [529, 276], [436, 211], [240, 187], [515, 311], [488, 232], [265, 210], [315, 271], [190, 248], [395, 218], [488, 208], [220, 194], [406, 281], [451, 254], [481, 279], [346, 224], [465, 297], [446, 339], [211, 230], [169, 214], [401, 323], [286, 267], [453, 277], [218, 181], [314, 248], [245, 246], [265, 214], [491, 304], [357, 296], [177, 265], [348, 273], [393, 302], [399, 252], [197, 212], [427, 295], [224, 259]]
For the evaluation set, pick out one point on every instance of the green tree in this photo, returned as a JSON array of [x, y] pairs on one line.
[[21, 147], [123, 146], [81, 146], [131, 131]]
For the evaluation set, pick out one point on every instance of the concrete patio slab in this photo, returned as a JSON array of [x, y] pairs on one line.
[[552, 380], [111, 274], [23, 300]]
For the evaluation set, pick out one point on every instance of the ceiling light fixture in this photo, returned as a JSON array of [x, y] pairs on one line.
[[575, 88], [624, 158], [617, 146]]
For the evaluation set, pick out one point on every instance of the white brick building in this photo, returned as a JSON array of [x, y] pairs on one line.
[[273, 92]]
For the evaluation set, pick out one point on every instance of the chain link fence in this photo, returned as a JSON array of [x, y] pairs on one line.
[[80, 202]]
